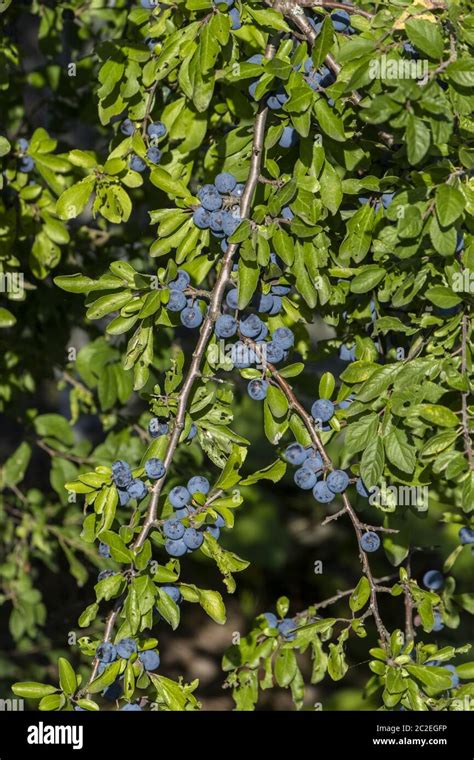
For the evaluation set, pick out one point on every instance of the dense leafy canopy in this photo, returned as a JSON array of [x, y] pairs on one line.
[[340, 138]]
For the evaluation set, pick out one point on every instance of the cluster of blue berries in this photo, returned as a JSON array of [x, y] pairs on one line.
[[310, 469], [26, 163], [179, 538], [107, 652], [285, 627], [155, 131], [340, 19], [220, 207], [274, 100], [159, 426], [191, 310], [129, 487]]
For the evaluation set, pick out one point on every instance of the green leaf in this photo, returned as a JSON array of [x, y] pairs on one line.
[[443, 297], [360, 595], [360, 433], [277, 401], [399, 452], [425, 36], [461, 72], [273, 472], [438, 415], [74, 200], [33, 690], [323, 43], [326, 385], [212, 603], [367, 280], [285, 667], [328, 121], [249, 275], [435, 678], [118, 549], [372, 462], [449, 204], [418, 139], [67, 677], [13, 471], [7, 319]]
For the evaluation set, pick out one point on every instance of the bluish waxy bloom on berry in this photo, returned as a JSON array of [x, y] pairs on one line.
[[386, 199], [154, 154], [127, 127], [131, 707], [191, 316], [176, 301], [175, 548], [230, 222], [286, 629], [106, 652], [438, 623], [149, 4], [305, 478], [181, 281], [322, 409], [322, 493], [454, 677], [23, 144], [370, 541], [192, 432], [242, 356], [225, 182], [213, 531], [262, 334], [219, 522], [284, 337], [79, 709], [271, 619], [466, 536], [156, 130], [295, 453], [274, 352], [151, 43], [150, 659], [346, 403], [157, 427], [26, 164], [340, 20], [137, 163], [210, 197], [313, 461], [202, 218], [226, 326], [124, 496], [287, 213], [104, 550], [235, 18], [105, 574], [198, 484], [137, 489], [126, 647], [434, 580], [173, 529], [276, 307], [257, 389], [232, 298], [121, 474], [215, 220], [281, 290], [361, 489], [347, 354], [289, 138], [264, 302], [193, 538], [173, 592], [238, 190], [251, 326], [179, 496], [154, 468], [337, 481]]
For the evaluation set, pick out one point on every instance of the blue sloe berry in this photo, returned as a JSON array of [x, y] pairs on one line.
[[225, 182], [322, 493], [192, 538], [126, 647], [176, 301], [179, 496], [176, 548], [370, 541], [181, 281], [157, 427], [337, 481], [106, 652], [191, 316], [173, 529], [322, 409], [198, 484], [284, 337], [305, 478], [150, 659], [295, 453], [433, 580], [137, 489], [257, 389]]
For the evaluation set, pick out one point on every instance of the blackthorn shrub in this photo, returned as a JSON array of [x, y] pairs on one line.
[[262, 202]]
